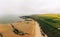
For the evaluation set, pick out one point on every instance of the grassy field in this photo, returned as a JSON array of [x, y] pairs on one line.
[[50, 23]]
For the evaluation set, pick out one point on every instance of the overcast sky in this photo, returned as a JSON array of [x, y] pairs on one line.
[[23, 7]]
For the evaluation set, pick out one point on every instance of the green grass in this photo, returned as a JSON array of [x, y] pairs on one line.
[[49, 24]]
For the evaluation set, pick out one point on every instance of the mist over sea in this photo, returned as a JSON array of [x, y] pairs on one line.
[[8, 19]]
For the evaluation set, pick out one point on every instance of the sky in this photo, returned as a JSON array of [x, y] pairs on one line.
[[27, 7]]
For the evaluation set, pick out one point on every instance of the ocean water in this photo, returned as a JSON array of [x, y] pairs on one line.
[[8, 19]]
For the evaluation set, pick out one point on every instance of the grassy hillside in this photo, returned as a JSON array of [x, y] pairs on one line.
[[50, 24]]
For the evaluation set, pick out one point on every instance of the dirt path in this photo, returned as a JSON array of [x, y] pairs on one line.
[[38, 31]]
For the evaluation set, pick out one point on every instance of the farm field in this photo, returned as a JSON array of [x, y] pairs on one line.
[[50, 23]]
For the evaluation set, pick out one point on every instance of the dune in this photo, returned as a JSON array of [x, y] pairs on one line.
[[30, 27]]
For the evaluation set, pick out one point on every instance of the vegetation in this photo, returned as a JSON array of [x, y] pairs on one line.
[[16, 31], [50, 24], [1, 35]]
